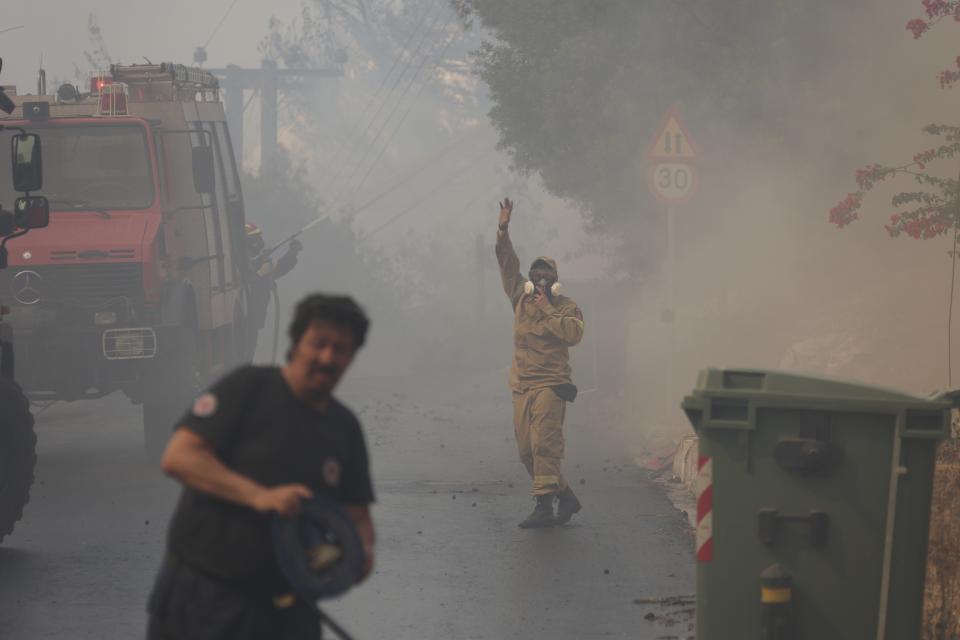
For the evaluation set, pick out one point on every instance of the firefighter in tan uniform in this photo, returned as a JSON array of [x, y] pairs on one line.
[[546, 324]]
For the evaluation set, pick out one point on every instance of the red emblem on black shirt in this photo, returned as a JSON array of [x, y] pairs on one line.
[[205, 406], [331, 472]]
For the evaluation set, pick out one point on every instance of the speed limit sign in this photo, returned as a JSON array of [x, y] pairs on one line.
[[672, 174], [672, 181]]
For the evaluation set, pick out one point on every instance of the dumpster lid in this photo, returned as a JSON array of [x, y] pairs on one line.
[[950, 395], [731, 398], [760, 382]]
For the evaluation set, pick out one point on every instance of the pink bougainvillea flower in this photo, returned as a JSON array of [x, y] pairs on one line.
[[948, 78], [846, 210], [918, 27], [936, 8]]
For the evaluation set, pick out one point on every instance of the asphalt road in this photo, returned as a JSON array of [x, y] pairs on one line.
[[451, 561]]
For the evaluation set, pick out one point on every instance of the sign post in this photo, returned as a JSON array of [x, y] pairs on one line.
[[673, 179]]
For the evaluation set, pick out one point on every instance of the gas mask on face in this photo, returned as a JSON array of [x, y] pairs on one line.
[[542, 276], [553, 289]]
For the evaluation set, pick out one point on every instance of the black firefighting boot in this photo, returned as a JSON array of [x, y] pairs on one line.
[[567, 505], [542, 514]]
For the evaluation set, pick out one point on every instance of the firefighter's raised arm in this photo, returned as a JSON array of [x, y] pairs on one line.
[[507, 257], [506, 211]]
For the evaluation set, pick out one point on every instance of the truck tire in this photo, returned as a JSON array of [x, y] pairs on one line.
[[18, 454]]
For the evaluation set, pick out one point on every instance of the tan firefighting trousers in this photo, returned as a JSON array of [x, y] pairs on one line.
[[538, 422]]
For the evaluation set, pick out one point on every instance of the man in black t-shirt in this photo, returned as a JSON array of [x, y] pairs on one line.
[[256, 444]]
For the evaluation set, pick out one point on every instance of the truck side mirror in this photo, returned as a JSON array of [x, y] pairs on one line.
[[203, 169], [27, 162], [31, 212]]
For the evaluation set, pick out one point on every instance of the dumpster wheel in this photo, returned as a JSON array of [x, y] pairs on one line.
[[18, 454]]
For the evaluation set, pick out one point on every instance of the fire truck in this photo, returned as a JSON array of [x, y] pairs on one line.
[[138, 284], [17, 438]]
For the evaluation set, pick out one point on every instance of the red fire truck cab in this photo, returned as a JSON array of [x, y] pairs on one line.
[[138, 283]]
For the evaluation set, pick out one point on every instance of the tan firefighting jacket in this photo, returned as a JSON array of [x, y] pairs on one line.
[[541, 335]]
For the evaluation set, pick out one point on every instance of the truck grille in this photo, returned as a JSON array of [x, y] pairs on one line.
[[83, 285]]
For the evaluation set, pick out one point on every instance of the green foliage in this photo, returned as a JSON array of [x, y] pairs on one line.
[[395, 56], [579, 88], [98, 58]]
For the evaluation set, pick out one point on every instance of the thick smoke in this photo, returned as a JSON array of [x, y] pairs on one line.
[[763, 280]]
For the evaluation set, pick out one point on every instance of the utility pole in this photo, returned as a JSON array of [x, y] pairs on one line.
[[672, 177], [269, 80], [671, 304]]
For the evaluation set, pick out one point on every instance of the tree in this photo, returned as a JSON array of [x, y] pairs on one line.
[[934, 209], [404, 40], [98, 57], [579, 88]]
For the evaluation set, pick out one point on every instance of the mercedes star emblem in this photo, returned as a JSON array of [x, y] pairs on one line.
[[26, 287]]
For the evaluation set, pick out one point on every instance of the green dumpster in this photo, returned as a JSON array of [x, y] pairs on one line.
[[813, 503]]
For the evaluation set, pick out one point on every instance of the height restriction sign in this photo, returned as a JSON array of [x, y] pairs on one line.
[[672, 174]]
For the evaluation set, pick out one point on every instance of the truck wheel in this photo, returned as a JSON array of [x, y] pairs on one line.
[[18, 454]]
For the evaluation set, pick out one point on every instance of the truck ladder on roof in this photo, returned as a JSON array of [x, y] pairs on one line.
[[184, 81]]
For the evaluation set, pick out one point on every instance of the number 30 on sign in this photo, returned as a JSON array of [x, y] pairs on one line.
[[672, 181]]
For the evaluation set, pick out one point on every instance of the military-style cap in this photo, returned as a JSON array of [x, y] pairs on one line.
[[550, 263]]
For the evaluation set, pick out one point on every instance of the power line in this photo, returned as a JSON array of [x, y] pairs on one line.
[[417, 169], [440, 186], [349, 161], [406, 68], [429, 160], [396, 106], [19, 26], [359, 139], [403, 118], [220, 24], [383, 82]]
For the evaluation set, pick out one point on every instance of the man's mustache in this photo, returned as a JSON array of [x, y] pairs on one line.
[[330, 370]]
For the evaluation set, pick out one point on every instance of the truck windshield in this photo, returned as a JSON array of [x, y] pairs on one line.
[[87, 167]]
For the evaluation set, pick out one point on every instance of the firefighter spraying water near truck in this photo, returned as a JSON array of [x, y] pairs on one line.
[[140, 282]]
